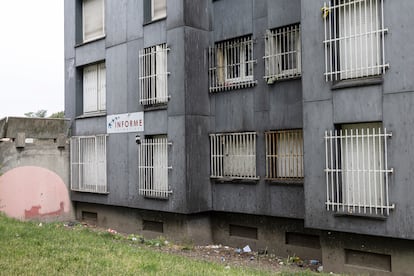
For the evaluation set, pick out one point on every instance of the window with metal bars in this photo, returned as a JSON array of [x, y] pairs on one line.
[[94, 88], [233, 155], [153, 75], [357, 173], [354, 39], [284, 154], [231, 64], [282, 53], [93, 19], [153, 167], [88, 163]]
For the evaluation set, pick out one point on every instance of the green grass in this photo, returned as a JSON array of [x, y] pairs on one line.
[[29, 249]]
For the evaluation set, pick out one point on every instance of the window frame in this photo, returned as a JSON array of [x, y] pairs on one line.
[[153, 171], [229, 160], [285, 165], [149, 11], [96, 167], [275, 56], [99, 35], [356, 169], [231, 64], [153, 75], [100, 88], [354, 41]]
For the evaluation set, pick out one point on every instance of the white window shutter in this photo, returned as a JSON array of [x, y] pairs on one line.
[[93, 19], [159, 9], [161, 72], [90, 91], [102, 87]]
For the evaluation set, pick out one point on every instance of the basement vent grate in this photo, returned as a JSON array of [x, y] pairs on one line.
[[243, 231]]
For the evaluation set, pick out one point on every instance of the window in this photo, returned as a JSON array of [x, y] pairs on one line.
[[284, 154], [153, 167], [153, 75], [88, 163], [231, 64], [155, 10], [354, 39], [282, 53], [357, 170], [233, 155], [93, 15], [94, 88]]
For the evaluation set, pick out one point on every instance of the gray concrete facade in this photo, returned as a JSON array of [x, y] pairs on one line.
[[192, 113], [387, 101]]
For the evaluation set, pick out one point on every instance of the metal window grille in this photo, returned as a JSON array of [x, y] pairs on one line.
[[354, 39], [231, 64], [94, 88], [357, 170], [284, 154], [93, 19], [153, 167], [233, 155], [282, 53], [88, 163], [153, 75]]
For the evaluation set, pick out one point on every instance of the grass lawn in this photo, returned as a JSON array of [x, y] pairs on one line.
[[30, 248]]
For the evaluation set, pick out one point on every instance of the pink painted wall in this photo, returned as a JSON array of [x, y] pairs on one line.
[[33, 192]]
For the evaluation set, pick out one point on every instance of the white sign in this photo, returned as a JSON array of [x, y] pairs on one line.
[[127, 122]]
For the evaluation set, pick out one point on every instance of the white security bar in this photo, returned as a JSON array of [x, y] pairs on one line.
[[88, 163], [284, 154], [231, 64], [153, 167], [153, 75], [233, 155], [357, 171], [282, 53], [354, 39]]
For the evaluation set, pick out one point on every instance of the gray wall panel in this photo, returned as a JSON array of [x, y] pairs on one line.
[[313, 55], [176, 65], [284, 12], [133, 48], [70, 28], [134, 21], [366, 104], [156, 122], [116, 79], [399, 46], [90, 52], [154, 33], [196, 13], [115, 22], [196, 80], [226, 19], [234, 111], [175, 14]]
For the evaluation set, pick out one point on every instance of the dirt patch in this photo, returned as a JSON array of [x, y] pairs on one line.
[[236, 257], [225, 255]]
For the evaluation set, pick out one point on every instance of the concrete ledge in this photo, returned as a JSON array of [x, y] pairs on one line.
[[41, 128]]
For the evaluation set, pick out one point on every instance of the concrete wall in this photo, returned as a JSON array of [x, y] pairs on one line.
[[125, 36], [34, 169], [192, 113], [366, 255], [191, 229], [388, 101], [260, 108]]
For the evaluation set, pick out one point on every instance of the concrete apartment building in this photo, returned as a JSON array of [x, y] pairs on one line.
[[280, 124]]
